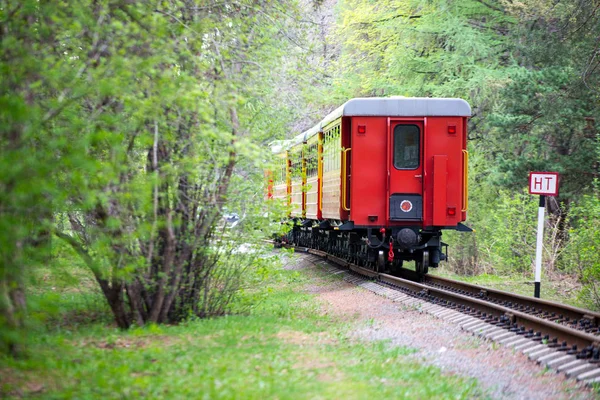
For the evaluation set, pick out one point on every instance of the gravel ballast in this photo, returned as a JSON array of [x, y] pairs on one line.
[[501, 372]]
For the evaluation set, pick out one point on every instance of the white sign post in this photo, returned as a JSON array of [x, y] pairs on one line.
[[544, 184]]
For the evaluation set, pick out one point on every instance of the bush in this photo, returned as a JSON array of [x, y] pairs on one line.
[[504, 237], [582, 252]]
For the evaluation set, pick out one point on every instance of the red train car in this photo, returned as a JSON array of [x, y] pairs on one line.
[[378, 179]]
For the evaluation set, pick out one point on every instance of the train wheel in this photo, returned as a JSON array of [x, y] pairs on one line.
[[422, 266]]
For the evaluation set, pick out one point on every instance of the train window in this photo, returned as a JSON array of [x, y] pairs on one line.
[[281, 175], [296, 165], [332, 148], [406, 146], [312, 167], [283, 171]]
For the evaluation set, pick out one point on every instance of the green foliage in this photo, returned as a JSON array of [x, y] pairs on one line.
[[126, 129], [544, 116], [509, 235], [584, 247], [525, 68], [504, 237], [64, 293], [542, 126], [414, 49]]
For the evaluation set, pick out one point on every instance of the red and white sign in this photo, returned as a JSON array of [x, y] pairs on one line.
[[544, 183]]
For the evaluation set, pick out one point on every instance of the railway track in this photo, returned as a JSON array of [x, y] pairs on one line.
[[565, 315], [555, 335]]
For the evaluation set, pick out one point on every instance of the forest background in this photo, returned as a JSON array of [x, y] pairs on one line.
[[129, 128]]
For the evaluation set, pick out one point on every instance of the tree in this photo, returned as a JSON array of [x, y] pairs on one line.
[[545, 117], [128, 121]]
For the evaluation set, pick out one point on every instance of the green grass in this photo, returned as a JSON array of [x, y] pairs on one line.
[[283, 348]]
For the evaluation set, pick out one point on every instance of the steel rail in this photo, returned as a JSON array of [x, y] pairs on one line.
[[545, 327], [536, 306]]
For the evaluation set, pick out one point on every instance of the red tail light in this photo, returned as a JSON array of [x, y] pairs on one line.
[[451, 211], [451, 129]]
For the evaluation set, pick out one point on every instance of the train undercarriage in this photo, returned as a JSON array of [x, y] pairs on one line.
[[380, 249]]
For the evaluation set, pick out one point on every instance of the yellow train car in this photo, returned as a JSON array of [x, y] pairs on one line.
[[315, 161], [318, 172]]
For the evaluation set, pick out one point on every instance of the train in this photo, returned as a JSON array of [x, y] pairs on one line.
[[377, 180]]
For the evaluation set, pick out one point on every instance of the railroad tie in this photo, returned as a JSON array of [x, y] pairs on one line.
[[590, 375], [580, 369], [502, 336], [559, 362], [461, 318], [474, 328], [544, 360], [535, 355], [526, 345], [570, 365]]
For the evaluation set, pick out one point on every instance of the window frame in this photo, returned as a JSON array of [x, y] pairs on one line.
[[296, 163], [312, 160], [332, 148], [281, 168], [418, 148]]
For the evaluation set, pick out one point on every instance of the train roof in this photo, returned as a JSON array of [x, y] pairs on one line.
[[390, 107], [277, 146], [400, 107], [304, 136]]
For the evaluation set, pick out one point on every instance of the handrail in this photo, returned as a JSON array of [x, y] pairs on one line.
[[465, 180], [320, 173], [344, 179], [320, 194]]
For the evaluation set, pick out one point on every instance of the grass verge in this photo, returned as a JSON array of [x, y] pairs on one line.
[[283, 348]]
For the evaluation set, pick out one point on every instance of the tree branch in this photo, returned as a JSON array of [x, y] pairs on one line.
[[491, 6], [391, 18]]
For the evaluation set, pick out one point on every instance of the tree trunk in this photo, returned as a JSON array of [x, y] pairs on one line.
[[12, 309], [115, 298]]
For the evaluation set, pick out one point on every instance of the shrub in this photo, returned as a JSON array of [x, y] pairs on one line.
[[582, 253]]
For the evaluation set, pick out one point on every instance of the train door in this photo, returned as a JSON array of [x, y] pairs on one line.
[[405, 170], [346, 166]]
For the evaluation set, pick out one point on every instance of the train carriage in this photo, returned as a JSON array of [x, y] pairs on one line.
[[381, 178]]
